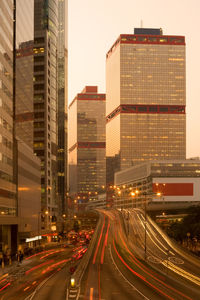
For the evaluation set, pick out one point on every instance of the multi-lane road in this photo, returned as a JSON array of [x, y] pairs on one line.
[[129, 258], [40, 276], [120, 269]]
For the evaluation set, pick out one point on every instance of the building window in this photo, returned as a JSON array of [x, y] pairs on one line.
[[142, 108]]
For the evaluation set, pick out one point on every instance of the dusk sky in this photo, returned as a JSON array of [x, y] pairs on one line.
[[94, 25]]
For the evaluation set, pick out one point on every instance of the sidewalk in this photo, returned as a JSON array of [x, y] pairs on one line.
[[16, 266]]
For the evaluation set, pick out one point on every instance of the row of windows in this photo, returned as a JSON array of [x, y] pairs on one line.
[[5, 124], [170, 109], [6, 176], [6, 160], [153, 39], [5, 106], [7, 211], [4, 141], [7, 194], [88, 96]]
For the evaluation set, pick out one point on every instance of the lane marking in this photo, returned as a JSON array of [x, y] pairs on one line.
[[133, 258], [140, 276], [126, 278], [99, 286]]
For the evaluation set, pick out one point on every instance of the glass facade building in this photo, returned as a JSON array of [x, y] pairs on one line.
[[87, 145], [46, 99], [24, 70], [8, 187], [8, 203], [62, 104], [145, 88]]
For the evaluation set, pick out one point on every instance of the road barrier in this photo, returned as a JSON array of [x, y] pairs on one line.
[[75, 280]]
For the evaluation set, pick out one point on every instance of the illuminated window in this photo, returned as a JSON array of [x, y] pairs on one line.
[[142, 38]]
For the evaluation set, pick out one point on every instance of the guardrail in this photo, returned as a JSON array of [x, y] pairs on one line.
[[78, 274]]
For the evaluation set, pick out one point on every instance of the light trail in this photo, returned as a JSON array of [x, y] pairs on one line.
[[91, 293], [134, 259], [182, 272], [5, 286], [51, 253], [140, 276], [95, 254], [105, 243], [36, 254], [39, 266], [55, 265]]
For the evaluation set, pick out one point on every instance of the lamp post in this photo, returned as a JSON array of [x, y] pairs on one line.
[[145, 226], [119, 194], [132, 195]]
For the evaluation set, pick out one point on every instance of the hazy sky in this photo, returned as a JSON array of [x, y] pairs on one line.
[[94, 25]]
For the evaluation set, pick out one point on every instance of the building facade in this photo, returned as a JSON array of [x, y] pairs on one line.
[[162, 184], [87, 163], [8, 184], [62, 104], [29, 193], [46, 99], [145, 108], [24, 91]]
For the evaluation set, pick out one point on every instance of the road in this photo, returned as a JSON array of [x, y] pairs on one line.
[[37, 273], [117, 268]]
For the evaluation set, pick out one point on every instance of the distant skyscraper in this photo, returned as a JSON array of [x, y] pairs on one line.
[[46, 98], [87, 144], [145, 90]]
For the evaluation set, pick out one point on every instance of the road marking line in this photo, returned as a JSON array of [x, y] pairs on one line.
[[125, 277]]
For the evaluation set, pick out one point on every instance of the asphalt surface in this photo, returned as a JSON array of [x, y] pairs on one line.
[[117, 268], [35, 274]]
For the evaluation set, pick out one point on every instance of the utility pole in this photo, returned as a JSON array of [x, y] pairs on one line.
[[145, 226]]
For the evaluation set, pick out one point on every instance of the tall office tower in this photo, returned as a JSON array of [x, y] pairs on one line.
[[28, 172], [62, 104], [145, 90], [24, 70], [46, 99], [86, 145], [8, 193], [24, 92]]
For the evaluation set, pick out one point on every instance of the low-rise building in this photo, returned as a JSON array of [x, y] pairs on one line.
[[159, 184]]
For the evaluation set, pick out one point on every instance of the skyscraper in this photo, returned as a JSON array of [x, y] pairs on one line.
[[28, 174], [8, 188], [62, 104], [87, 145], [145, 89], [46, 98]]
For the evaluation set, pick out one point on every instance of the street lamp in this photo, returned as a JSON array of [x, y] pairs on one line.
[[145, 226], [132, 195], [119, 194]]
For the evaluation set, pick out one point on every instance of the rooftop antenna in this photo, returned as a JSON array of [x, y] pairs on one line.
[[141, 23]]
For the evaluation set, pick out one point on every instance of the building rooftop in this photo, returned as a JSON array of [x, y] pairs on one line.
[[148, 31]]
